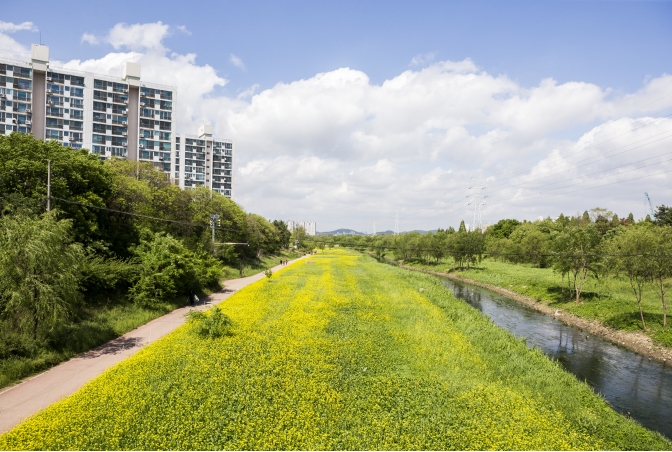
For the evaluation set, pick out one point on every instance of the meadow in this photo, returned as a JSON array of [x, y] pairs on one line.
[[609, 300], [337, 352]]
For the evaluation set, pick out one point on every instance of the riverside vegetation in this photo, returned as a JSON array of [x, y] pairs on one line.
[[343, 354], [595, 265], [77, 276]]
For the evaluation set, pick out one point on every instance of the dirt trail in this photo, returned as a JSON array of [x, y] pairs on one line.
[[632, 340]]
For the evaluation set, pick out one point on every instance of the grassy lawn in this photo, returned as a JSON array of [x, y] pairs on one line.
[[343, 353], [609, 300]]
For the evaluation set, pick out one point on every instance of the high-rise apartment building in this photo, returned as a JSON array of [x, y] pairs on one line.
[[122, 117], [308, 226]]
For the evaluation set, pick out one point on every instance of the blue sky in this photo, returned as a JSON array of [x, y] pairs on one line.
[[609, 60]]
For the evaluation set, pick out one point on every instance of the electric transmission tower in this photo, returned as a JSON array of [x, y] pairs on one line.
[[396, 223], [477, 197]]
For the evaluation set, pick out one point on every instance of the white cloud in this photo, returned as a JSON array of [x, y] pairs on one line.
[[8, 27], [343, 151], [422, 58], [183, 29], [91, 39], [137, 37], [237, 62]]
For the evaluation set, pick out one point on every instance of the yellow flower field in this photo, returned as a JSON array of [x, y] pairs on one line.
[[343, 354]]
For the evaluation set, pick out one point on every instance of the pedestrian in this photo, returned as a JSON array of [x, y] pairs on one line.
[[280, 261], [192, 296]]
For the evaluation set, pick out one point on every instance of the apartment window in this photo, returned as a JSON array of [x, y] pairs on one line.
[[147, 113], [119, 120], [228, 145], [53, 111], [77, 103], [146, 133], [100, 95], [76, 114], [144, 155], [75, 80], [99, 106], [166, 105], [149, 103], [54, 123], [147, 92], [99, 84], [99, 128], [146, 123], [116, 130], [24, 96], [76, 125], [165, 136], [119, 87], [168, 95], [54, 135], [74, 136], [164, 146], [118, 141], [166, 115], [77, 92], [120, 99], [23, 84], [22, 72]]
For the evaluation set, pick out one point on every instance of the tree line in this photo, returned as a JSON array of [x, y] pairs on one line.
[[116, 229], [596, 244]]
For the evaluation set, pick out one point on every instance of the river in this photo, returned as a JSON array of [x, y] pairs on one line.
[[630, 382]]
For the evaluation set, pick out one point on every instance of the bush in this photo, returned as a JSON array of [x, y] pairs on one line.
[[168, 268], [211, 324]]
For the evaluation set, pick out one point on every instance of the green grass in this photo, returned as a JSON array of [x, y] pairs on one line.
[[609, 300], [342, 354], [254, 266]]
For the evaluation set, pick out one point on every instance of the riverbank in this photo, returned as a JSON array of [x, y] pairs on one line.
[[342, 354], [632, 340]]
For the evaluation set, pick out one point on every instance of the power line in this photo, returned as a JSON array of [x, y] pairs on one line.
[[603, 177], [143, 216]]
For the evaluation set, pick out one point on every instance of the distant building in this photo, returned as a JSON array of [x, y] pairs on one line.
[[308, 226], [122, 117]]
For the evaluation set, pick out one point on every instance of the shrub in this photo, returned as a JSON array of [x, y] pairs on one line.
[[211, 324]]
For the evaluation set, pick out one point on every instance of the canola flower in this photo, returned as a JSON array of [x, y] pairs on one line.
[[344, 354]]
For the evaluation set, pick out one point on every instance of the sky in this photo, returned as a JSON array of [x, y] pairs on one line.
[[348, 113]]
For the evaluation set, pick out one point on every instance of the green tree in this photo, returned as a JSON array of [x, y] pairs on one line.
[[577, 252], [504, 228], [462, 227], [40, 271], [283, 233], [661, 265], [663, 215], [633, 249]]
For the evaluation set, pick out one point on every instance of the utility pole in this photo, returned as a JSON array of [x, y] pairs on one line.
[[648, 201], [214, 219], [48, 185]]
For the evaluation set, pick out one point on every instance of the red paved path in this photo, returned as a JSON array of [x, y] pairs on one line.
[[40, 391]]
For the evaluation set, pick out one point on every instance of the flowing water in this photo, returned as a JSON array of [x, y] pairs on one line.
[[629, 381]]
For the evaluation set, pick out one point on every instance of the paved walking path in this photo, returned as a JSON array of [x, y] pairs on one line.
[[33, 394]]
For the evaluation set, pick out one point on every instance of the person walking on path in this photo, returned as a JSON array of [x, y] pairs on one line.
[[191, 296]]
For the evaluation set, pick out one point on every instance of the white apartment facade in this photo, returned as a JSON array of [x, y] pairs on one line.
[[308, 226], [112, 117]]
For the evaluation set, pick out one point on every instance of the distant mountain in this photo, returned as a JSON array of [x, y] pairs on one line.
[[341, 231]]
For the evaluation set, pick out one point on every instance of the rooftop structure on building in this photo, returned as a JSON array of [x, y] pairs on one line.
[[123, 117]]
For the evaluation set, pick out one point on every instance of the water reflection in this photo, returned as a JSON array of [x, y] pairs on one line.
[[630, 382]]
